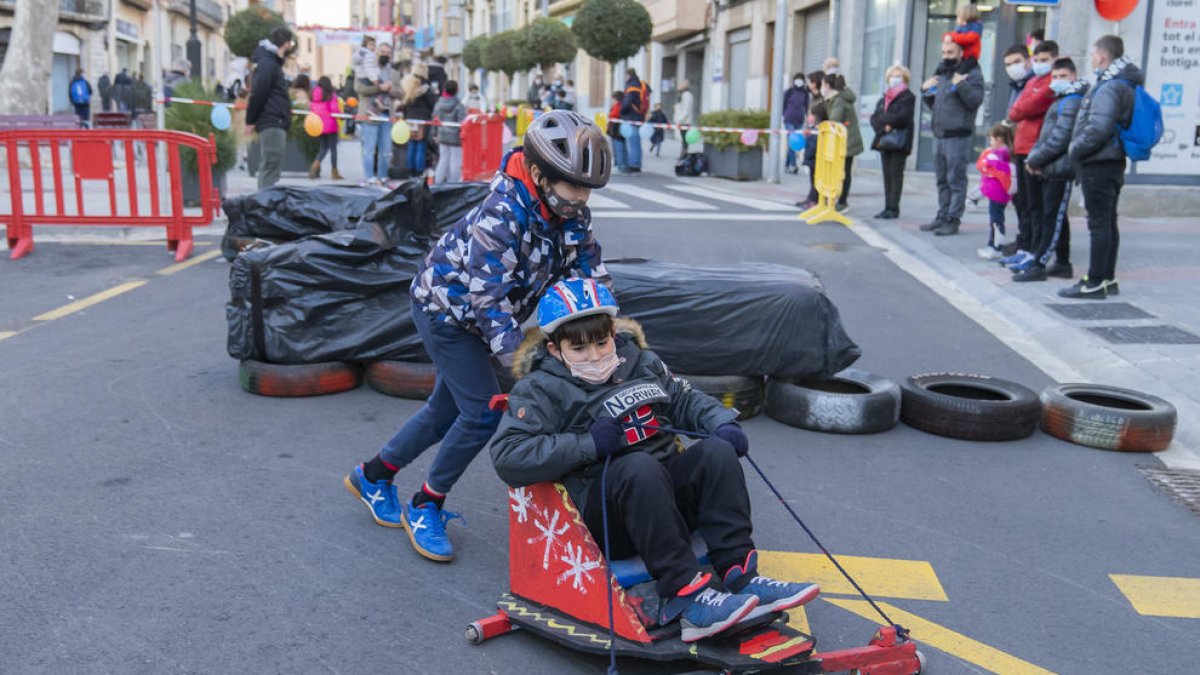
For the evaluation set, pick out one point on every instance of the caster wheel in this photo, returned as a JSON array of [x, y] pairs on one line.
[[474, 635], [921, 661]]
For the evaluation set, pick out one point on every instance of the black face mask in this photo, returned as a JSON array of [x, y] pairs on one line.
[[949, 63], [383, 60], [567, 209]]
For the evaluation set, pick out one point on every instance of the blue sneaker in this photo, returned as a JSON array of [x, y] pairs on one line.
[[379, 497], [711, 611], [426, 526], [773, 596], [1015, 258], [1022, 265]]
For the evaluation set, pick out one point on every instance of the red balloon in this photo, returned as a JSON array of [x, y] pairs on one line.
[[1115, 10]]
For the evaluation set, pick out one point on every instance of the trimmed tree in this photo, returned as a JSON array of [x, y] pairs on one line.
[[244, 29], [472, 53], [611, 30], [503, 53], [546, 41], [25, 74]]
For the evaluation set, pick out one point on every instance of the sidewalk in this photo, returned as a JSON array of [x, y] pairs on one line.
[[1148, 338]]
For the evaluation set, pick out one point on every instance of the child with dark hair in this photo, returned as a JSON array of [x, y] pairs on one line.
[[593, 402], [656, 139], [996, 183], [325, 105]]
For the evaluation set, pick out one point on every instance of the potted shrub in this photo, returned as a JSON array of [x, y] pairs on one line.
[[196, 119], [727, 156], [298, 154]]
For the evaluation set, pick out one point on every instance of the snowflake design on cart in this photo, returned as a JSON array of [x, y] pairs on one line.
[[550, 532], [521, 499], [579, 568]]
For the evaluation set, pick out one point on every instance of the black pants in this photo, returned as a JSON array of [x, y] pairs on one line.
[[1101, 184], [812, 180], [1028, 204], [654, 506], [845, 183], [328, 147], [1052, 233], [893, 178]]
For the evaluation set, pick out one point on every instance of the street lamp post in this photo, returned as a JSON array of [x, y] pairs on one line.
[[193, 43]]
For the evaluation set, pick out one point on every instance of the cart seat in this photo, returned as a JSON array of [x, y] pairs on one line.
[[632, 571]]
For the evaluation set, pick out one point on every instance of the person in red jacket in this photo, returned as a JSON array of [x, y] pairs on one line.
[[1027, 112]]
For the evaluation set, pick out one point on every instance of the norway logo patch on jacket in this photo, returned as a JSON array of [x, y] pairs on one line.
[[644, 416]]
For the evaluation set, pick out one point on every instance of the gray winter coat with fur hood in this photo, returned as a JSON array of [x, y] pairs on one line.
[[544, 435]]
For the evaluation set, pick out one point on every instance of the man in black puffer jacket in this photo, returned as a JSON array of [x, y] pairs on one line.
[[1048, 160], [954, 93], [1096, 147], [269, 111]]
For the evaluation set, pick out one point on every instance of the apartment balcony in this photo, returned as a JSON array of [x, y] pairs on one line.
[[78, 11], [674, 19], [208, 12], [141, 4]]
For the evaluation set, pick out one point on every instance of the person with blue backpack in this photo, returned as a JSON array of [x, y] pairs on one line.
[[1117, 120], [81, 97]]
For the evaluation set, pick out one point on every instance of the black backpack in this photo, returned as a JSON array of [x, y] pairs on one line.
[[692, 164]]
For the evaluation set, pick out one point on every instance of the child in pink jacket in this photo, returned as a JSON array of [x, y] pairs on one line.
[[325, 104], [996, 183]]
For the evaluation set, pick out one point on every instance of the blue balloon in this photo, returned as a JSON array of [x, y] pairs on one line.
[[797, 141], [627, 130], [647, 131], [220, 117]]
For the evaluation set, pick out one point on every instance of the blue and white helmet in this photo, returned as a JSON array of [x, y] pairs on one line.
[[571, 299]]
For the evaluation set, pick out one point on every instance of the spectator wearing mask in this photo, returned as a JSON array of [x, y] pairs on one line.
[[377, 100], [816, 115], [892, 123], [830, 66], [569, 94], [269, 111], [475, 100], [953, 93], [795, 114], [534, 96], [1097, 150], [1048, 160], [635, 105], [1027, 112], [418, 103], [684, 109], [437, 75], [449, 109], [839, 104]]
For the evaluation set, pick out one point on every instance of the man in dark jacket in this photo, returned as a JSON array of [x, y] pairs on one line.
[[1048, 161], [954, 93], [1097, 149], [269, 111], [105, 86], [80, 94], [1028, 111], [795, 113], [634, 106], [437, 75]]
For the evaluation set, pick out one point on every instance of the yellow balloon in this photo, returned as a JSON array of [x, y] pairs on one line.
[[510, 113], [400, 132], [313, 125]]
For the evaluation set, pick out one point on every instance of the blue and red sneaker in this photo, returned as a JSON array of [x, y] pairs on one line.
[[426, 526], [773, 595], [711, 611], [379, 497]]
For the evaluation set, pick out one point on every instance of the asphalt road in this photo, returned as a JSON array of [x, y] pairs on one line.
[[155, 518]]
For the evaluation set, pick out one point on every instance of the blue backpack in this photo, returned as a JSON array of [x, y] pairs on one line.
[[79, 92], [1145, 125]]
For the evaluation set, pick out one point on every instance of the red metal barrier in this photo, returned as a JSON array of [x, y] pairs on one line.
[[483, 146], [90, 154]]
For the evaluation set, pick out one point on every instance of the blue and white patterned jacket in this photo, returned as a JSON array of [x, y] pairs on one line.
[[487, 272]]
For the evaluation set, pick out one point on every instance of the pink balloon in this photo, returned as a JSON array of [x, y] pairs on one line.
[[750, 137]]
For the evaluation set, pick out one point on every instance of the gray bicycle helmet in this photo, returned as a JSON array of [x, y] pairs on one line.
[[567, 146]]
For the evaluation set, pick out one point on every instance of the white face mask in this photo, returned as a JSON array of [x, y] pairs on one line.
[[797, 83], [895, 81], [1041, 68], [594, 372], [1016, 71]]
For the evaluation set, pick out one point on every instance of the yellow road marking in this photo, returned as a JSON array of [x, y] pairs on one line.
[[5, 334], [195, 260], [798, 619], [886, 577], [117, 242], [1160, 596], [88, 301], [939, 637]]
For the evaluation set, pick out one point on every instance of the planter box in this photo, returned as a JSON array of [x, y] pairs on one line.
[[191, 186], [734, 163], [294, 159]]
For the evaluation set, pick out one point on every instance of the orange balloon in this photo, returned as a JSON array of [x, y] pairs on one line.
[[352, 102], [313, 125]]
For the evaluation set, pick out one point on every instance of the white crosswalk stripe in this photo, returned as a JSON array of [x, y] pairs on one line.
[[599, 201], [718, 195], [658, 197]]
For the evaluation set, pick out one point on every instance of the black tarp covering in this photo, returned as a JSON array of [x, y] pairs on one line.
[[756, 319]]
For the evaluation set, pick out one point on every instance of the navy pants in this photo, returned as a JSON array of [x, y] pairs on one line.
[[457, 413]]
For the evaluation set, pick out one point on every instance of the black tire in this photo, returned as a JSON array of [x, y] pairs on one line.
[[971, 407], [304, 379], [851, 402], [403, 379], [1109, 418], [733, 391]]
